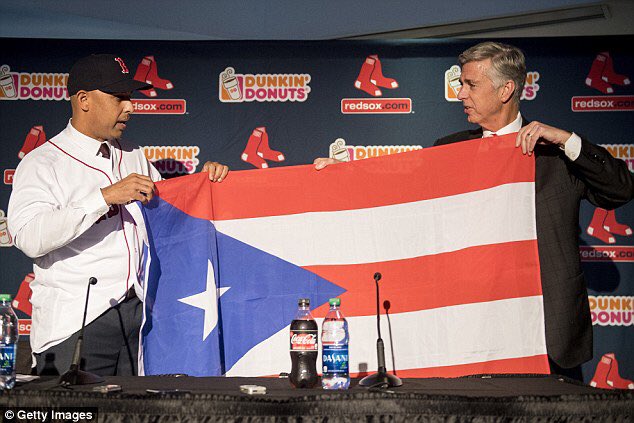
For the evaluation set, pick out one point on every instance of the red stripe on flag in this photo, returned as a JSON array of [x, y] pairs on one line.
[[195, 201], [472, 275], [462, 167], [435, 172], [537, 364]]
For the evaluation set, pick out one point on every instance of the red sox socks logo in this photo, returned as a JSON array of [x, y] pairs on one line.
[[602, 74], [371, 77], [22, 300], [147, 71], [258, 150], [34, 139], [607, 376], [604, 225]]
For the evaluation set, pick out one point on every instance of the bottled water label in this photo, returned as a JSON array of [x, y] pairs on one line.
[[7, 359], [335, 367], [335, 360]]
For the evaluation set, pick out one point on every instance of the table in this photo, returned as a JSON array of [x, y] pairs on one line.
[[485, 398]]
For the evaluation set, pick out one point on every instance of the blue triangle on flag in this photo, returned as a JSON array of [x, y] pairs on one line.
[[263, 295], [260, 300]]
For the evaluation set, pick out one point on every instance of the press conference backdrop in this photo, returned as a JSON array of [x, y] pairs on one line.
[[266, 104]]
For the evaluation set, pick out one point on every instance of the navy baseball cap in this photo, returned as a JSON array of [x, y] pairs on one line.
[[103, 72]]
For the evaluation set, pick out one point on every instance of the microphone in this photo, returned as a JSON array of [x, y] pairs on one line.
[[380, 379], [75, 376], [386, 307]]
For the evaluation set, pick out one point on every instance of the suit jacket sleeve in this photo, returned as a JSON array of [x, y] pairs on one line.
[[607, 182]]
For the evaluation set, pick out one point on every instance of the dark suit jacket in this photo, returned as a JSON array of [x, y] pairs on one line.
[[560, 185]]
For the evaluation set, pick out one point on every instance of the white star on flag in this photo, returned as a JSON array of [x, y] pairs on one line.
[[207, 301]]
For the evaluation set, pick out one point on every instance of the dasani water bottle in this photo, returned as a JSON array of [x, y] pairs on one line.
[[8, 342], [334, 341]]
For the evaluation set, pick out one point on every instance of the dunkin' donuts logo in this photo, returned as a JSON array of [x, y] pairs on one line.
[[32, 86], [238, 88], [609, 310], [173, 159], [347, 153], [453, 85]]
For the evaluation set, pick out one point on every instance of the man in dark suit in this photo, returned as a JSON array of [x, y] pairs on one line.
[[568, 168]]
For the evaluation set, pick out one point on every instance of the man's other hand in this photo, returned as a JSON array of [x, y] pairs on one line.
[[537, 132], [217, 172], [133, 187], [322, 162]]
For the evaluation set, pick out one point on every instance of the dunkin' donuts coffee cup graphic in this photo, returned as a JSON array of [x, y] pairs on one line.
[[452, 83], [5, 237], [230, 84], [338, 150], [7, 83]]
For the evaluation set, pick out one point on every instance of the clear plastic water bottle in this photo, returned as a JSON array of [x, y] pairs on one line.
[[8, 343], [334, 342]]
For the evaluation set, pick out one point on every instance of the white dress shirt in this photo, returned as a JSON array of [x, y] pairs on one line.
[[571, 148], [58, 216]]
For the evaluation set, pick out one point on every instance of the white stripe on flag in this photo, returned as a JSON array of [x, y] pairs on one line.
[[501, 214], [455, 335]]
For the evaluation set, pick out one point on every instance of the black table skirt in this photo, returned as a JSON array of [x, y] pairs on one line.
[[497, 398]]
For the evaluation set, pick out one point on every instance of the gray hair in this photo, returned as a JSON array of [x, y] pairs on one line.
[[507, 63]]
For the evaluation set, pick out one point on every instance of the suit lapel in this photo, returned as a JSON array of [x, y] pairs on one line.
[[475, 133]]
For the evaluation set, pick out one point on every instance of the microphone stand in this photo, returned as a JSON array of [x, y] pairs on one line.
[[75, 376], [380, 379]]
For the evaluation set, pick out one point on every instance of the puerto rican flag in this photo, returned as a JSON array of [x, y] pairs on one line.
[[450, 228]]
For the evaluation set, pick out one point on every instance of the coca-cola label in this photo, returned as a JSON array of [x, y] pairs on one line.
[[304, 340]]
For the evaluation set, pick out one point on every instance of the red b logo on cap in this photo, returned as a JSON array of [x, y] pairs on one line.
[[124, 68]]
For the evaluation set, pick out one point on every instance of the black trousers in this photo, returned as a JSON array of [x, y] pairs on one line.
[[110, 347]]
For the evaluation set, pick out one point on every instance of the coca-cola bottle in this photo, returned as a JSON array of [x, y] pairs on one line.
[[304, 347]]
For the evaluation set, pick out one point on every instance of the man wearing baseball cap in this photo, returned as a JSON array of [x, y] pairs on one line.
[[72, 211]]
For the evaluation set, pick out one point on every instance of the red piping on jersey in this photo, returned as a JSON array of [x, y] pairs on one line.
[[127, 282]]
